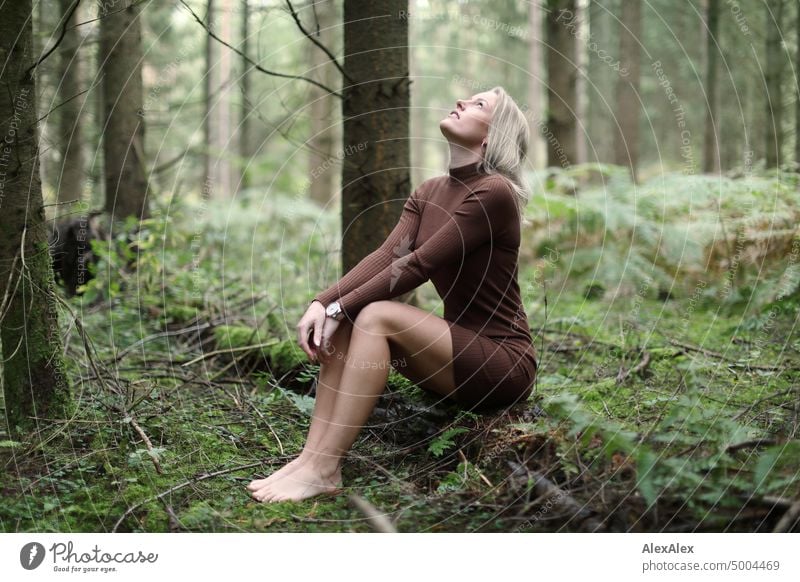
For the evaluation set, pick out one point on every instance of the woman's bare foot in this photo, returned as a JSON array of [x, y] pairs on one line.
[[289, 467], [305, 481]]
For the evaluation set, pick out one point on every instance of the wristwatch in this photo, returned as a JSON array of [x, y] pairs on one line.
[[334, 310]]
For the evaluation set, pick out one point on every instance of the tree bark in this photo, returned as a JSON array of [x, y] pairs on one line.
[[70, 138], [34, 381], [123, 136], [322, 165], [245, 120], [774, 101], [797, 95], [626, 144], [222, 143], [536, 86], [711, 135], [561, 78], [375, 156]]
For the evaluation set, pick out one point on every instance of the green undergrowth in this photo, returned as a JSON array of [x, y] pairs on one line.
[[652, 411]]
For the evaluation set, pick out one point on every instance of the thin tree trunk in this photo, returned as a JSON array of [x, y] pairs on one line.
[[582, 61], [711, 136], [774, 101], [561, 77], [322, 168], [375, 157], [626, 144], [797, 92], [123, 139], [70, 138], [244, 122], [34, 381], [536, 86], [208, 178], [222, 142]]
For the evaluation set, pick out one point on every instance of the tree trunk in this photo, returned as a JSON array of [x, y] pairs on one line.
[[536, 86], [245, 120], [221, 72], [208, 179], [70, 135], [322, 166], [774, 101], [626, 144], [797, 95], [582, 63], [711, 136], [34, 382], [375, 175], [561, 78], [123, 136]]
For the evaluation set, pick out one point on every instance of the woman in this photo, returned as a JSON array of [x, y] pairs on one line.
[[464, 228]]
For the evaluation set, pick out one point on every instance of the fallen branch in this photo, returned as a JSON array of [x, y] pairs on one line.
[[375, 518]]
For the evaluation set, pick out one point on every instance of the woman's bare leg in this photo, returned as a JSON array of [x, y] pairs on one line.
[[425, 344], [330, 374]]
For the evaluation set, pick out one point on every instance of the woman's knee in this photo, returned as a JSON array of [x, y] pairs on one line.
[[372, 317]]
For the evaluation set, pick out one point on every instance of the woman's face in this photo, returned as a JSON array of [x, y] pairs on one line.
[[468, 123]]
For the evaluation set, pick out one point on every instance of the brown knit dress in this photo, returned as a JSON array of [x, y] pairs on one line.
[[461, 231]]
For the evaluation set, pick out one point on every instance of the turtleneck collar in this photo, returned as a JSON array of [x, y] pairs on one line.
[[463, 172]]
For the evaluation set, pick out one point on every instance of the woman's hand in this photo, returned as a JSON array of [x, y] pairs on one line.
[[311, 323]]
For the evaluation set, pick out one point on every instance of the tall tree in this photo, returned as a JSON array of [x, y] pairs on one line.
[[207, 96], [626, 143], [324, 122], [34, 382], [246, 113], [581, 95], [797, 93], [773, 78], [223, 147], [123, 136], [70, 134], [711, 134], [561, 77], [536, 85], [375, 106]]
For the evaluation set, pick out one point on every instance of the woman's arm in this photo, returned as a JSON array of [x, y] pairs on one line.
[[485, 214], [398, 242]]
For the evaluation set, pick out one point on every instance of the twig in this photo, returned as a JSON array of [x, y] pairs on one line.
[[375, 518], [41, 59], [319, 44], [480, 474], [229, 351], [256, 65], [202, 477], [789, 519], [148, 444]]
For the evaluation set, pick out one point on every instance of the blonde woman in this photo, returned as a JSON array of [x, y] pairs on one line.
[[460, 230]]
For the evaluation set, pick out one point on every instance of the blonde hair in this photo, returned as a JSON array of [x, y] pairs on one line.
[[507, 145]]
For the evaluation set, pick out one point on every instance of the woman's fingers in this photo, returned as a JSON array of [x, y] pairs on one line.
[[302, 339]]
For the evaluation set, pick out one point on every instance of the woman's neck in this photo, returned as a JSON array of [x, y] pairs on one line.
[[461, 156]]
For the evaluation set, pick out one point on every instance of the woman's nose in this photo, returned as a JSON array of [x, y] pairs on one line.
[[459, 104]]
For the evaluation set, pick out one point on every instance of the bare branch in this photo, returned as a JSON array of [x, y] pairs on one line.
[[252, 62], [316, 42]]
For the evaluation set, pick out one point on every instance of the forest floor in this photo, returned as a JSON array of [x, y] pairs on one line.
[[671, 414], [626, 431]]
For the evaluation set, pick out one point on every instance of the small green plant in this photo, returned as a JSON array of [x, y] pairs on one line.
[[445, 441]]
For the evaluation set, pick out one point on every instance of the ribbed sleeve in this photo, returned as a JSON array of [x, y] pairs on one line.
[[397, 243], [484, 214]]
